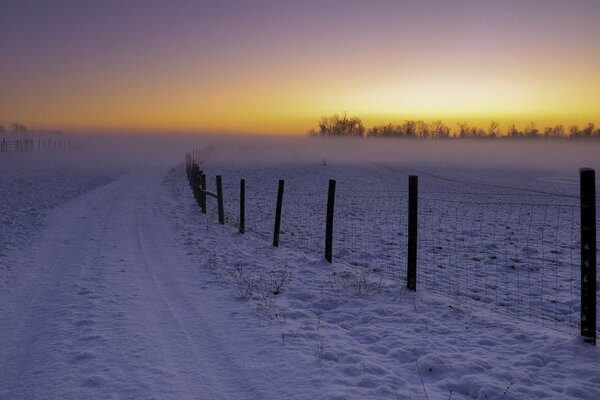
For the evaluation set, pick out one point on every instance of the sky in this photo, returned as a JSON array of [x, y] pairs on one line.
[[276, 67]]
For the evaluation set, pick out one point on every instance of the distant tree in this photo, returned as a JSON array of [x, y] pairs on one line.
[[312, 132], [422, 129], [478, 133], [531, 130], [410, 128], [513, 132], [587, 131], [19, 128], [438, 130], [2, 129], [339, 126], [493, 129], [573, 131], [464, 131], [376, 131], [557, 132]]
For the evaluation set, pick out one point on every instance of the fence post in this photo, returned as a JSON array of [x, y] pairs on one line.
[[329, 222], [202, 192], [278, 213], [413, 201], [242, 206], [587, 178], [188, 165], [195, 173], [220, 200]]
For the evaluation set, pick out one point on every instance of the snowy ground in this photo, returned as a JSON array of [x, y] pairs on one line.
[[115, 286]]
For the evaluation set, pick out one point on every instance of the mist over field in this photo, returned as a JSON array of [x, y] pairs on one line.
[[560, 155]]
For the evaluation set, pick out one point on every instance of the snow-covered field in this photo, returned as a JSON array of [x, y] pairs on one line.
[[115, 286]]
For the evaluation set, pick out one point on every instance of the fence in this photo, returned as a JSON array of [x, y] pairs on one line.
[[40, 145], [526, 255], [16, 145]]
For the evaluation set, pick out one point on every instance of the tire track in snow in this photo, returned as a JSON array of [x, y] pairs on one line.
[[185, 320], [105, 312]]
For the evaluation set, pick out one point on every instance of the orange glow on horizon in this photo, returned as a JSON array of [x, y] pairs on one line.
[[265, 76]]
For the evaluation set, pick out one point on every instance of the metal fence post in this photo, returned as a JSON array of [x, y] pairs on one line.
[[187, 165], [242, 206], [278, 213], [195, 174], [329, 222], [587, 178], [220, 200], [202, 192], [413, 200]]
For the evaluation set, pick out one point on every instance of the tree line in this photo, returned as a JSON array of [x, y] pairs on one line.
[[344, 126], [17, 127]]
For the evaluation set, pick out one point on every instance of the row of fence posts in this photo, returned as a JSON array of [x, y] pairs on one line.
[[16, 145], [197, 181], [42, 144], [58, 145]]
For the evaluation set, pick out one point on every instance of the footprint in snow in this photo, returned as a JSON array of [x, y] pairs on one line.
[[94, 381]]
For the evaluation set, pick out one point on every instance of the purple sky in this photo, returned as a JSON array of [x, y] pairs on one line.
[[139, 64]]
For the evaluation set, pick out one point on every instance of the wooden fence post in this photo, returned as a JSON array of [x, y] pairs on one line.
[[329, 222], [242, 206], [278, 213], [220, 200], [587, 178], [413, 201]]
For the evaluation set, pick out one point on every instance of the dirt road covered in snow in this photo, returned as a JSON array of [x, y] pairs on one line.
[[110, 307]]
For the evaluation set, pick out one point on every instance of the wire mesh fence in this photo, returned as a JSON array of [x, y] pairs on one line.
[[517, 257], [514, 253], [370, 231]]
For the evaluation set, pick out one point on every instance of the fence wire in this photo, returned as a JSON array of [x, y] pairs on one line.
[[370, 232], [518, 258], [513, 253]]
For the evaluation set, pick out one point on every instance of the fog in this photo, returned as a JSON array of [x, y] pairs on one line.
[[565, 155], [513, 154]]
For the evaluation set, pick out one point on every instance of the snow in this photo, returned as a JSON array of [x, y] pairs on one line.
[[114, 285]]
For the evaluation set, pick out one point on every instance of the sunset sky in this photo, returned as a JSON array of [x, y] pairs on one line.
[[277, 66]]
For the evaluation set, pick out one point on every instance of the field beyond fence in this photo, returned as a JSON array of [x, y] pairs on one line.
[[515, 252]]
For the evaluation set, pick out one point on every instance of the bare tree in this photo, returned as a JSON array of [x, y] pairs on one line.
[[513, 132], [339, 126], [492, 130], [573, 131], [587, 131], [422, 129], [531, 130], [464, 131], [19, 128], [312, 132], [557, 132], [439, 130], [410, 128]]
